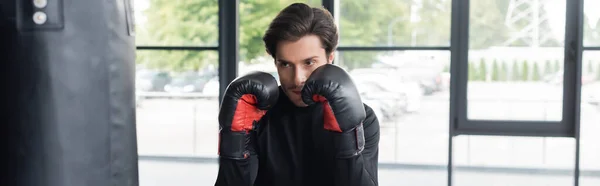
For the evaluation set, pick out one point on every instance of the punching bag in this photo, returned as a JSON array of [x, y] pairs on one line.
[[69, 70]]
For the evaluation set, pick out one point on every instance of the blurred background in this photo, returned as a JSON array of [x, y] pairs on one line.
[[399, 54]]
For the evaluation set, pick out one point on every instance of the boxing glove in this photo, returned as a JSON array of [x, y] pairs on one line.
[[343, 110], [246, 100]]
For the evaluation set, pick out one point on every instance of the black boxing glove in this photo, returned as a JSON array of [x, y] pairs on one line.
[[246, 100], [343, 110]]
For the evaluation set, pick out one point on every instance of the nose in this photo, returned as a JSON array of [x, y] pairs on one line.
[[299, 76]]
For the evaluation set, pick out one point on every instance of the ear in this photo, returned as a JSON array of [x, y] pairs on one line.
[[331, 58]]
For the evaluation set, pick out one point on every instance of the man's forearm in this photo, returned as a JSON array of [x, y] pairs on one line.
[[237, 172]]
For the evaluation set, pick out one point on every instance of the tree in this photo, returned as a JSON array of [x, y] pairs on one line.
[[472, 72], [547, 68], [485, 23], [516, 74], [495, 71], [446, 68], [536, 72], [525, 71], [433, 28], [361, 23], [504, 72], [178, 23], [482, 70], [556, 65]]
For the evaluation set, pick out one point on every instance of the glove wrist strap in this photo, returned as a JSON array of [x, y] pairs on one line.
[[350, 143], [233, 145]]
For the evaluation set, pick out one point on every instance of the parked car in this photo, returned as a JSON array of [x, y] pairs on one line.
[[387, 105], [391, 81], [187, 83], [211, 88], [151, 80]]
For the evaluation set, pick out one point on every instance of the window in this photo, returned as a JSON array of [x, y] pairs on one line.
[[177, 103], [409, 92], [394, 23], [515, 67], [590, 119], [512, 80], [176, 23], [591, 23], [518, 161]]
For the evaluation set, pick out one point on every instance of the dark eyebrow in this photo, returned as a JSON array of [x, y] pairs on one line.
[[285, 61], [311, 58], [282, 61]]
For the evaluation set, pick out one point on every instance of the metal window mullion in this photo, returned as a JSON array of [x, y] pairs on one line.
[[228, 43], [572, 75], [329, 5], [193, 48], [459, 46], [591, 48], [390, 48]]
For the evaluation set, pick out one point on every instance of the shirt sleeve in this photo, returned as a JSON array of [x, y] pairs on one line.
[[237, 172], [361, 170]]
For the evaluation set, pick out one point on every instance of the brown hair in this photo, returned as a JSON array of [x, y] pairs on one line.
[[298, 20]]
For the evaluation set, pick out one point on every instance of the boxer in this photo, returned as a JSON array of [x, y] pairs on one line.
[[311, 130]]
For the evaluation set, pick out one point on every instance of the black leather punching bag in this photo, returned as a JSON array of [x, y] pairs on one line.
[[68, 75]]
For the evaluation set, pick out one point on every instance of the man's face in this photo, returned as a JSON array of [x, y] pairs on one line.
[[295, 61]]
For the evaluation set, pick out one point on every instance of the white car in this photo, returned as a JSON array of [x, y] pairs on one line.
[[211, 88], [394, 82]]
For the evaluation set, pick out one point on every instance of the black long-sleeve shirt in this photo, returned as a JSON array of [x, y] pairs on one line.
[[290, 147]]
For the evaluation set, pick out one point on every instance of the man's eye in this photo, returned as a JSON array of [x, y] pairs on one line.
[[311, 62], [284, 64]]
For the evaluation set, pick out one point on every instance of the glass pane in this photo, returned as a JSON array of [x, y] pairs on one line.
[[514, 161], [255, 17], [411, 101], [394, 23], [176, 23], [591, 23], [177, 103], [515, 69], [590, 120]]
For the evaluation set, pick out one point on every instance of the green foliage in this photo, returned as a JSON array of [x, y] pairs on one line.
[[472, 73], [547, 68], [177, 61], [446, 68], [178, 23], [482, 70], [486, 18], [556, 65], [504, 72], [361, 23], [536, 73], [516, 74], [495, 71], [525, 71]]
